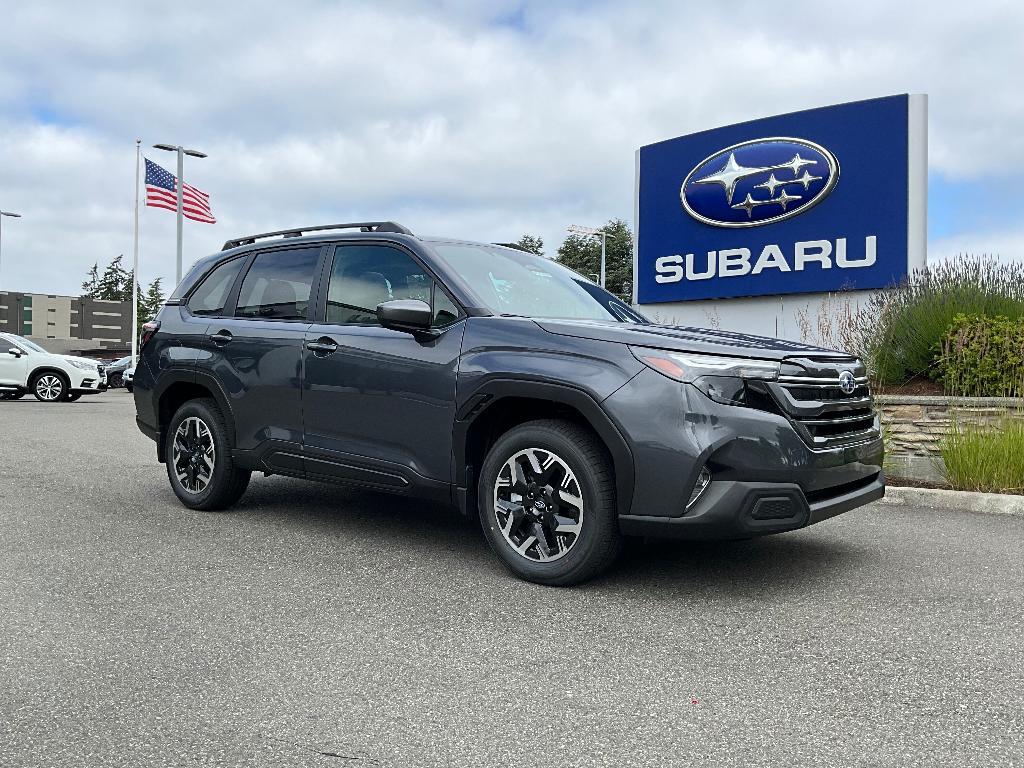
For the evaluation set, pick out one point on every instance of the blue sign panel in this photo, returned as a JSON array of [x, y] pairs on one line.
[[811, 201]]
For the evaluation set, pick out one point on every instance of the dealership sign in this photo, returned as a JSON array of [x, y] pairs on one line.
[[815, 201]]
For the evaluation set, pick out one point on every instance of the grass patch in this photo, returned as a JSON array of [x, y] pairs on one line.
[[985, 458]]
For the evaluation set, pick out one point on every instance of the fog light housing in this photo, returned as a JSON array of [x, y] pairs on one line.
[[703, 481]]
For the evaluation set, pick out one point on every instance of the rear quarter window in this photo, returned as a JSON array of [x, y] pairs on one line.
[[212, 294]]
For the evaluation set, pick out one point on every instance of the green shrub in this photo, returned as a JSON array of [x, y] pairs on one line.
[[980, 458], [901, 330], [983, 357]]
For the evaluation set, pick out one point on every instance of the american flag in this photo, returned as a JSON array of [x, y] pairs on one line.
[[162, 192]]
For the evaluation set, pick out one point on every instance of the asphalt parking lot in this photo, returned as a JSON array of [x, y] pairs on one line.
[[316, 625]]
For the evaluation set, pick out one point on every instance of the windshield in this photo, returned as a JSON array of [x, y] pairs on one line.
[[25, 343], [511, 282]]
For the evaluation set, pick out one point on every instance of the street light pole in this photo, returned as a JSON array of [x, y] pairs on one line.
[[13, 216], [180, 187], [578, 230]]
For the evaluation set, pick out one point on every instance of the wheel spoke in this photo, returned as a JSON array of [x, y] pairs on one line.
[[528, 542], [519, 481], [545, 544], [569, 498], [534, 462]]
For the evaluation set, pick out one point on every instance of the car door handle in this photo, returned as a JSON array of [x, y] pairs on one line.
[[325, 345], [221, 337]]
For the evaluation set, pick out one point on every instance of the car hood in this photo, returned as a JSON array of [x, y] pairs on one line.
[[682, 339]]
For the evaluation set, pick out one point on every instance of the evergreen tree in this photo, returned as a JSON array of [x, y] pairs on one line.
[[116, 282], [150, 304], [92, 283], [583, 253]]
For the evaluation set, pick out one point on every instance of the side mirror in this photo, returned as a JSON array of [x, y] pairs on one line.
[[409, 315], [14, 351]]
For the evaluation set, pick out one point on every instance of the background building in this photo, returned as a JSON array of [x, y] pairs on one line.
[[66, 324]]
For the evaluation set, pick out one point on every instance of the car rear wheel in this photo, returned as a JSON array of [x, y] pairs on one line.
[[198, 454], [49, 387], [547, 503]]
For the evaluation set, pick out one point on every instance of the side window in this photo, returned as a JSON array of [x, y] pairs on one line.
[[364, 276], [212, 294], [277, 285]]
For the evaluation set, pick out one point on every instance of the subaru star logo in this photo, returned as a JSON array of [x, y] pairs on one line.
[[759, 182], [847, 383]]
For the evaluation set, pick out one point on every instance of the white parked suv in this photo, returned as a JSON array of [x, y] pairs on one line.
[[26, 367]]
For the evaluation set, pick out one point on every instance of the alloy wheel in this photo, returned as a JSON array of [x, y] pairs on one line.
[[194, 454], [49, 387], [538, 505]]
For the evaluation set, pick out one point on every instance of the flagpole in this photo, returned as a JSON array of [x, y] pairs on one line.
[[181, 190], [135, 259]]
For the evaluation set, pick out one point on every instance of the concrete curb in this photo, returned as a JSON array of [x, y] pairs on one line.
[[961, 501]]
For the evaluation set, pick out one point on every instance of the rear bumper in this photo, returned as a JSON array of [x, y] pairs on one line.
[[736, 509]]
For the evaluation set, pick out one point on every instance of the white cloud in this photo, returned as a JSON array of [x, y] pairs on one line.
[[483, 120], [1005, 245]]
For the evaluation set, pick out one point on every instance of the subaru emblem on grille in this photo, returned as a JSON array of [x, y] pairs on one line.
[[847, 383]]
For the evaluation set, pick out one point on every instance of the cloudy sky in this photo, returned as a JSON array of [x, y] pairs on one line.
[[483, 119]]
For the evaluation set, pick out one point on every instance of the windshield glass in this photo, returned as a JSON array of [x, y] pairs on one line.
[[25, 343], [511, 282]]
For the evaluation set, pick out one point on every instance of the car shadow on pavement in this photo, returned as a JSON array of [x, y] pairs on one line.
[[799, 560]]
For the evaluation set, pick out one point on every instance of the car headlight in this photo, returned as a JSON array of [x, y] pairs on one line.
[[83, 364], [724, 379]]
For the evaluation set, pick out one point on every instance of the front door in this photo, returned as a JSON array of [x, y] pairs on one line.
[[13, 368], [379, 404]]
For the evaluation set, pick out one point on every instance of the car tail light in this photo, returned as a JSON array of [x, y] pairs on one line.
[[148, 329]]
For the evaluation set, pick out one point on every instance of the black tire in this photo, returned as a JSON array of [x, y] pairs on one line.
[[50, 386], [578, 451], [129, 387], [226, 482]]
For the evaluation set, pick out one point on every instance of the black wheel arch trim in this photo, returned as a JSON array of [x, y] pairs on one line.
[[175, 376], [493, 391], [48, 369]]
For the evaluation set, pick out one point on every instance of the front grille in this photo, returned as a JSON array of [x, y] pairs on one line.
[[809, 393]]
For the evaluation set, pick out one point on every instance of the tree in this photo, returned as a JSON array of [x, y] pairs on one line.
[[583, 253], [116, 283], [530, 244], [150, 304], [92, 283]]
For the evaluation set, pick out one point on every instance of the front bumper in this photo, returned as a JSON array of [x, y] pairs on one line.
[[765, 476], [90, 384], [731, 509]]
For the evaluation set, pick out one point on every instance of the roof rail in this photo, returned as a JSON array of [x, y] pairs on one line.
[[364, 226]]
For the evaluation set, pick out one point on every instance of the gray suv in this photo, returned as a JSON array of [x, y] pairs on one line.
[[500, 382]]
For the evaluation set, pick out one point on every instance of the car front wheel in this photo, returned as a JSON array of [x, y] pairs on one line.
[[198, 454], [49, 387], [547, 503]]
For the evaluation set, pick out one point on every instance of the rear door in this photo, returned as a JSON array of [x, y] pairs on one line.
[[379, 404], [256, 352]]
